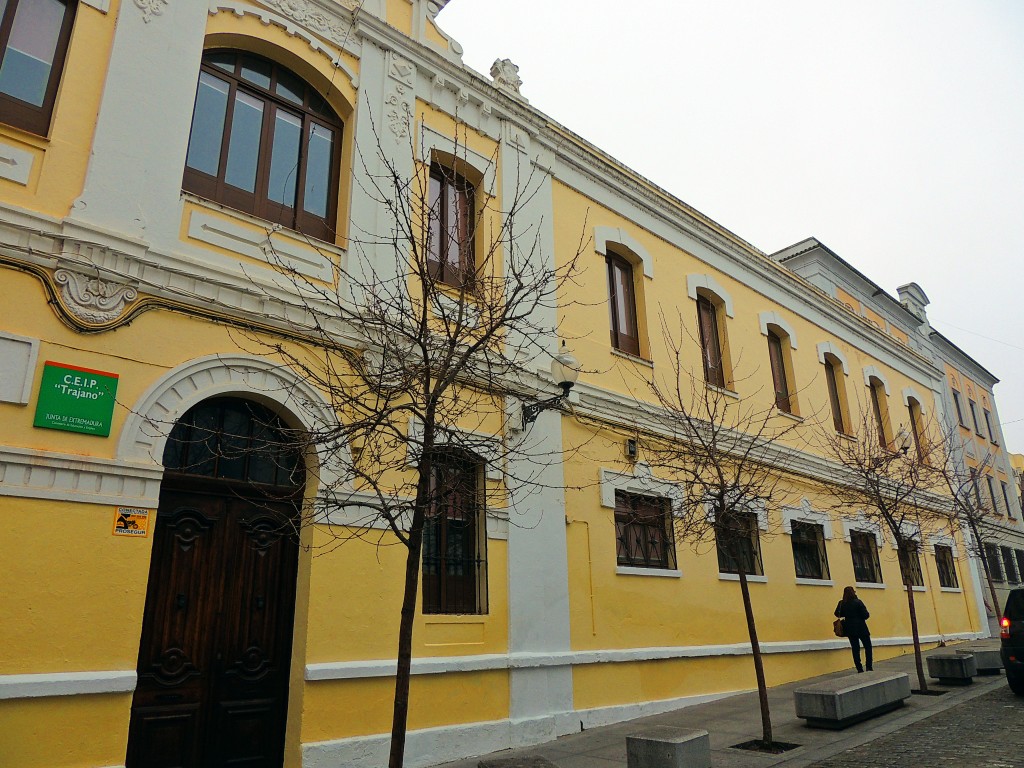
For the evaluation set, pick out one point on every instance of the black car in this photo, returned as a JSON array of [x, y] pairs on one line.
[[1011, 634]]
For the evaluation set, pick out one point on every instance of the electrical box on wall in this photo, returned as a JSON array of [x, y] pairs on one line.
[[632, 448]]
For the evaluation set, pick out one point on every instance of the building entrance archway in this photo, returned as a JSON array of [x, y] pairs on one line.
[[215, 651]]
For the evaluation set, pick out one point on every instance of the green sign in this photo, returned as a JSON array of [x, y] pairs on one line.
[[76, 399]]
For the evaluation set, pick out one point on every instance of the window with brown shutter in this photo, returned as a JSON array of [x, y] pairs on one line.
[[710, 342], [775, 355], [876, 406], [450, 254], [625, 336], [833, 393]]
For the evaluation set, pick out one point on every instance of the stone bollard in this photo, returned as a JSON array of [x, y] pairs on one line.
[[989, 661], [953, 668], [662, 746]]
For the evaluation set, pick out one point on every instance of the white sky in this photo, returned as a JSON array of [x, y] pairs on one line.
[[891, 130]]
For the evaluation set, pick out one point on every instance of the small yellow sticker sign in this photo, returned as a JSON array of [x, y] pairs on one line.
[[129, 521]]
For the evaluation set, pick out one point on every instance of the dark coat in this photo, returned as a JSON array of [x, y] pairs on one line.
[[855, 617]]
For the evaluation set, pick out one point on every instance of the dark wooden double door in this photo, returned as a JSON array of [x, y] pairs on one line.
[[216, 640]]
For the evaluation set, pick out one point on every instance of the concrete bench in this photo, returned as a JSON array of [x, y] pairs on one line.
[[953, 668], [662, 746], [843, 701], [989, 662]]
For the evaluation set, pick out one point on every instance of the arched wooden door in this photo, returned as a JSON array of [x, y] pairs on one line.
[[216, 635]]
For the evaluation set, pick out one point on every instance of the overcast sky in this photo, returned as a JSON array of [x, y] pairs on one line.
[[891, 130]]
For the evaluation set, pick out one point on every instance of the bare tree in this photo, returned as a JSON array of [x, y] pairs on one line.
[[891, 485], [432, 330], [970, 515], [728, 454]]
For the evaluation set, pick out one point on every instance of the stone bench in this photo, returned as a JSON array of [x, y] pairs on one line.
[[662, 746], [989, 662], [843, 701], [953, 668]]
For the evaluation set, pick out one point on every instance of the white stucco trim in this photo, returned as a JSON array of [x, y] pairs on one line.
[[774, 318], [751, 578], [670, 573], [275, 246], [695, 281], [807, 514], [484, 446], [945, 540], [640, 482], [35, 474], [432, 140], [66, 684], [15, 164], [828, 348], [863, 526], [100, 5], [20, 356], [151, 418], [618, 236], [801, 581], [910, 392], [872, 371], [869, 585], [354, 670]]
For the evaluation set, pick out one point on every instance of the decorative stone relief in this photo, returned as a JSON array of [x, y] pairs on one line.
[[506, 76], [313, 18], [398, 101], [91, 299], [151, 8]]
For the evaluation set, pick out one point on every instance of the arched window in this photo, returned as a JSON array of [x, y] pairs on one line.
[[264, 142], [625, 334], [880, 409], [234, 440], [836, 383], [710, 341], [34, 36], [778, 351]]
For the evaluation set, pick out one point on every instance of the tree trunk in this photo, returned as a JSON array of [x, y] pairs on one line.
[[755, 647], [400, 716], [918, 662]]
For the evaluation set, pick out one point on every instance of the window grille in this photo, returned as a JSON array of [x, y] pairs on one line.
[[864, 549], [643, 531], [946, 566], [809, 556], [738, 543]]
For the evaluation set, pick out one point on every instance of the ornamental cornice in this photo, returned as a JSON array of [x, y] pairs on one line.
[[91, 299]]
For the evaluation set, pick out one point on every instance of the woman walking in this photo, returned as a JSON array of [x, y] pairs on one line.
[[855, 624]]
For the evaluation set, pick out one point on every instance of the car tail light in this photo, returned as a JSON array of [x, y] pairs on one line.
[[1004, 629]]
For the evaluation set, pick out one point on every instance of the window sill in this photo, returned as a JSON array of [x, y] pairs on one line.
[[868, 585], [792, 416], [951, 589], [632, 358], [722, 390], [736, 577], [846, 436], [815, 582], [628, 570]]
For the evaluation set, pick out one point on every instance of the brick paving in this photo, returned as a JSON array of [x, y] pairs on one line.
[[984, 732]]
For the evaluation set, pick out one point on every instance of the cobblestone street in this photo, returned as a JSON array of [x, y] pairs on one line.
[[984, 732]]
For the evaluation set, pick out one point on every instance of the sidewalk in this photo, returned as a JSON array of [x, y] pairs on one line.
[[736, 719]]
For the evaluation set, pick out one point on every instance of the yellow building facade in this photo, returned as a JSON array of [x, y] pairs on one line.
[[145, 224]]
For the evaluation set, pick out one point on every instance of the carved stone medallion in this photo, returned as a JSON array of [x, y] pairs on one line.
[[91, 299]]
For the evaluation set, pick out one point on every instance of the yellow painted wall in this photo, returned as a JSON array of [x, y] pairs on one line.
[[66, 731]]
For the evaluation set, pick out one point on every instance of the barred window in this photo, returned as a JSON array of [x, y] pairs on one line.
[[643, 531], [1011, 565], [454, 538], [910, 565], [738, 543], [809, 557], [1020, 561], [995, 566], [946, 566], [864, 550]]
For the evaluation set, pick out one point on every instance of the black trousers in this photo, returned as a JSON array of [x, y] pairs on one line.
[[855, 641]]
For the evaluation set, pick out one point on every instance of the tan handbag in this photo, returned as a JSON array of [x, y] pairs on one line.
[[838, 628]]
